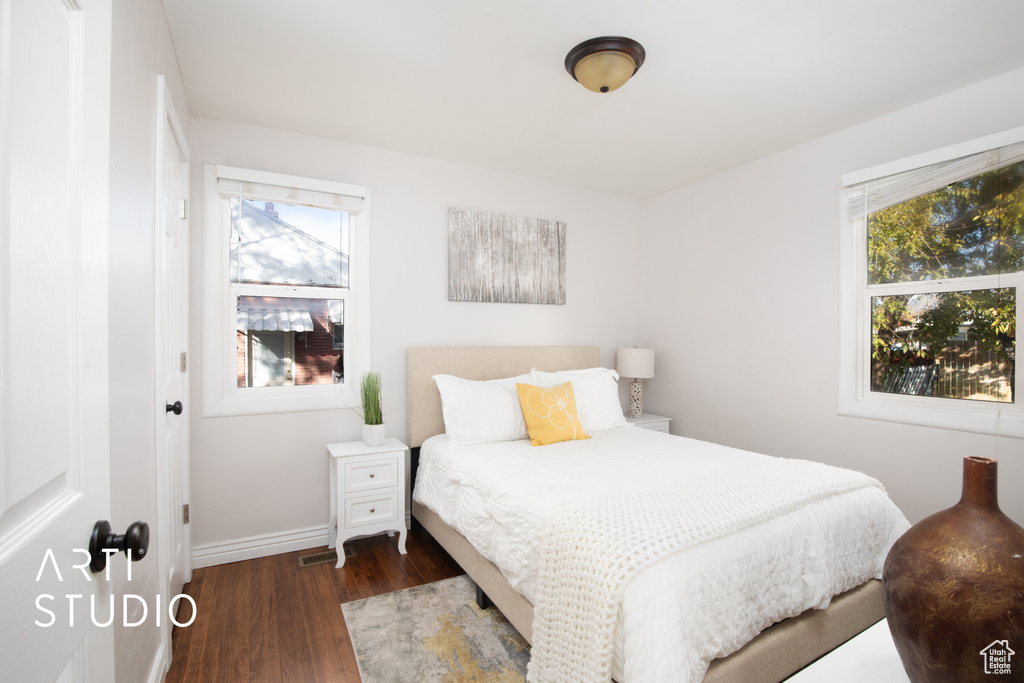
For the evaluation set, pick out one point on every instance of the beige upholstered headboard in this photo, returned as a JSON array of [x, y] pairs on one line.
[[423, 402]]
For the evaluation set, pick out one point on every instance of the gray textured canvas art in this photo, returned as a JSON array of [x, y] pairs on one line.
[[509, 259]]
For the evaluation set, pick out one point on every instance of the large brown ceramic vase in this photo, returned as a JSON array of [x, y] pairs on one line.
[[954, 589]]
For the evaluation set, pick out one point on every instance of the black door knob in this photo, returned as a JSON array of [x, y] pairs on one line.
[[175, 407], [135, 539]]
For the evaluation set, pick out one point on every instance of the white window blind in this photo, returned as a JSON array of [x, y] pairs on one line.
[[874, 195], [271, 187]]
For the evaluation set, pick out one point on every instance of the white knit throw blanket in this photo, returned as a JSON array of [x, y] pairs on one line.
[[593, 546]]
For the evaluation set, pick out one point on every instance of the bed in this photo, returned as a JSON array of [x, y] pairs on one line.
[[770, 656]]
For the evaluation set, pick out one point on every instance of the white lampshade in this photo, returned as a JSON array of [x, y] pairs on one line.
[[636, 363]]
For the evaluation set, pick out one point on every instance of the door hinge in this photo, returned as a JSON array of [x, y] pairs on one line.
[[184, 361], [183, 208], [184, 515]]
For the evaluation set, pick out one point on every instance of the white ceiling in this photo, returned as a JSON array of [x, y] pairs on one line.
[[482, 82]]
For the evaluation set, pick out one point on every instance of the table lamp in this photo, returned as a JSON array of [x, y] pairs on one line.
[[638, 364]]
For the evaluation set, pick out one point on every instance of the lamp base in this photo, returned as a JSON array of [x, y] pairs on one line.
[[636, 399]]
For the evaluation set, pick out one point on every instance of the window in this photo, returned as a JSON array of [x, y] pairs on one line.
[[284, 263], [289, 341], [933, 284]]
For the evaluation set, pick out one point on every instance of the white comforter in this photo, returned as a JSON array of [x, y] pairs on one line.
[[681, 612]]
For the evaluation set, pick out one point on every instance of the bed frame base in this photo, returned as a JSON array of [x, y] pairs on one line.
[[775, 654]]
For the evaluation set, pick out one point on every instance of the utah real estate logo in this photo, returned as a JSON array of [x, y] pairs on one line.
[[997, 657]]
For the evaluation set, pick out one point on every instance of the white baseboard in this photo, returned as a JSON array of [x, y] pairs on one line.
[[258, 546]]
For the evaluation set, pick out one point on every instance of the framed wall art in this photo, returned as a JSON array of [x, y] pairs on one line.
[[510, 259]]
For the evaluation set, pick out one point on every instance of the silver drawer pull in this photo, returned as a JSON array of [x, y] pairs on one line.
[[371, 511], [371, 475]]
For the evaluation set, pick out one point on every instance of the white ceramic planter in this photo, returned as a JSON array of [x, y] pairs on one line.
[[373, 435]]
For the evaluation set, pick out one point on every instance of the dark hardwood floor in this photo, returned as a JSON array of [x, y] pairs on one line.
[[269, 620]]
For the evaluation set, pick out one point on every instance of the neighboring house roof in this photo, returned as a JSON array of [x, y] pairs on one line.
[[265, 249]]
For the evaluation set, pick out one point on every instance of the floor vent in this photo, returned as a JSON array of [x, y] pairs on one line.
[[323, 558]]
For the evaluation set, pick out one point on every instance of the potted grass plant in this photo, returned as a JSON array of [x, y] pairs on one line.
[[373, 416]]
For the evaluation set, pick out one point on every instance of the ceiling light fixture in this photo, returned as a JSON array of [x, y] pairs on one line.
[[604, 64]]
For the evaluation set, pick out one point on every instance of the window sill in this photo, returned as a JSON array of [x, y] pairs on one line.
[[280, 400], [993, 419]]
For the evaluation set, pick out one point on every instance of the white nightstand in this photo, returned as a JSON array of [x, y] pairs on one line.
[[367, 491], [656, 423]]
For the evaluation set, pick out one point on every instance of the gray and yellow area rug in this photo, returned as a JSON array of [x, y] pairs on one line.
[[434, 632]]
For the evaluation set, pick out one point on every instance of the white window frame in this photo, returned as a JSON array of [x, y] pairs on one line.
[[221, 395], [855, 397]]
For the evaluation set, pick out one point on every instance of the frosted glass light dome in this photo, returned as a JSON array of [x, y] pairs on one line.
[[604, 64], [604, 71]]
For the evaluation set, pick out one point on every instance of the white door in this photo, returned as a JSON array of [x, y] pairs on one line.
[[54, 459], [270, 357], [172, 346]]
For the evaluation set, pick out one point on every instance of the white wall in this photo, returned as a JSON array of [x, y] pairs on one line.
[[741, 288], [141, 50], [263, 479]]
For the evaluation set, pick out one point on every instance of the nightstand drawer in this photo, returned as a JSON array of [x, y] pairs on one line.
[[371, 510], [376, 474]]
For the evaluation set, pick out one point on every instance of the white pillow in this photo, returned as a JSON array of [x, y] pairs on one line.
[[597, 395], [482, 411]]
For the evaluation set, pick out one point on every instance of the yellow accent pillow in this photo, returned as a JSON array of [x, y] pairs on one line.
[[550, 414]]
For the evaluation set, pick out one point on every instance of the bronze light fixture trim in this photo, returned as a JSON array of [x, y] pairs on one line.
[[605, 64]]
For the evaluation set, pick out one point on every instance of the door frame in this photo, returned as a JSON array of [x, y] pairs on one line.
[[168, 511]]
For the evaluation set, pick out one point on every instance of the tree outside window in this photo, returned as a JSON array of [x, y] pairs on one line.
[[959, 343]]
